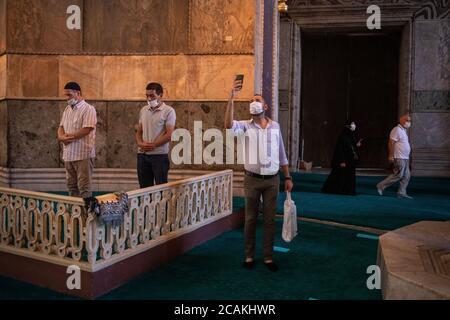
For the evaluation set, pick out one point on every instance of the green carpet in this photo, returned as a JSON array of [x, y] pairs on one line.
[[324, 262], [431, 202]]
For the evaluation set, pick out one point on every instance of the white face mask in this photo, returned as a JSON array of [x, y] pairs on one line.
[[72, 102], [407, 125], [153, 103], [256, 108], [353, 127]]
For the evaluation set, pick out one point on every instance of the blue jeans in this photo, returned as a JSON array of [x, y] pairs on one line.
[[152, 169]]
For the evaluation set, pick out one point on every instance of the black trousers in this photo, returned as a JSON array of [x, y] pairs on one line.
[[152, 169]]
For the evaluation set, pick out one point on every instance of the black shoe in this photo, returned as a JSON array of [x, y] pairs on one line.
[[271, 266], [248, 264]]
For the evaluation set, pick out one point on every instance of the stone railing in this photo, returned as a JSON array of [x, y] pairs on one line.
[[57, 228]]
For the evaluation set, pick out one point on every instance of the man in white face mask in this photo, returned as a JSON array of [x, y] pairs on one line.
[[262, 176], [77, 133], [153, 134], [399, 151]]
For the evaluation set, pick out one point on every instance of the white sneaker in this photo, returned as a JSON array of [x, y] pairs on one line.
[[380, 191], [404, 196]]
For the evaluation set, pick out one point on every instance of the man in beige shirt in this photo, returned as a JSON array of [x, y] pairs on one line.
[[77, 133], [154, 132]]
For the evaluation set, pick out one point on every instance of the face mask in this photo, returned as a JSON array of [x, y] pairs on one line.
[[72, 101], [256, 108], [407, 125], [353, 127], [153, 103]]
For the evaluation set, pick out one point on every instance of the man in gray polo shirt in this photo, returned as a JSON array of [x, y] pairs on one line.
[[154, 132]]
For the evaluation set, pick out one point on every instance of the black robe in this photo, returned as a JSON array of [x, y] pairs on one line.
[[343, 180]]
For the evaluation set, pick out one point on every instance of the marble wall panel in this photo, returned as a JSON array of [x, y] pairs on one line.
[[32, 76], [86, 70], [285, 55], [222, 26], [211, 77], [101, 138], [2, 26], [33, 143], [127, 77], [2, 76], [32, 135], [432, 55], [211, 115], [430, 130], [121, 145], [40, 26], [137, 26], [404, 85], [195, 77]]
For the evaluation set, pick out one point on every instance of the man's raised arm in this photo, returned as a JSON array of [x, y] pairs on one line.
[[230, 106]]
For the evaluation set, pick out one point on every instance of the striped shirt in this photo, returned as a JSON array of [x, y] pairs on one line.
[[82, 115], [264, 151]]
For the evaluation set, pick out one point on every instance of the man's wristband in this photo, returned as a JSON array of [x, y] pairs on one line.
[[288, 178]]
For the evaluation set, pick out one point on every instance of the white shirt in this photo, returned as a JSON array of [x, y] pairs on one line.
[[402, 148], [82, 115], [264, 151]]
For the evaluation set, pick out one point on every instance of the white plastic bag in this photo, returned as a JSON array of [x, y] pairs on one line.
[[289, 219]]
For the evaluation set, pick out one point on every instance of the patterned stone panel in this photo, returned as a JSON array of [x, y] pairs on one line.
[[101, 141], [431, 101], [211, 77], [211, 115], [86, 70], [32, 134], [41, 26], [121, 146], [32, 76], [222, 26], [136, 26]]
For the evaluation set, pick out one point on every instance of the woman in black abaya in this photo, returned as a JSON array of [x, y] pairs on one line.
[[342, 179]]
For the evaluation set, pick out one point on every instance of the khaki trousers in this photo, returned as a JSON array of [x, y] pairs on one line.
[[79, 177]]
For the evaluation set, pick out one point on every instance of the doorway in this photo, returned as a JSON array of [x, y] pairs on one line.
[[349, 76]]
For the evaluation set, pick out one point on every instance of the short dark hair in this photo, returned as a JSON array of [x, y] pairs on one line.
[[72, 86], [155, 86]]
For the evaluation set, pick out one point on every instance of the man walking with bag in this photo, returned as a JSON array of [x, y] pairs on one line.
[[261, 177]]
